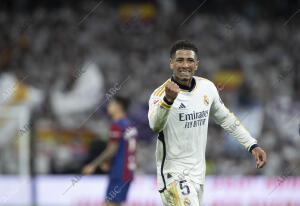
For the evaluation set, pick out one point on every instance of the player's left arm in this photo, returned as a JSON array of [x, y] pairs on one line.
[[109, 152], [231, 124]]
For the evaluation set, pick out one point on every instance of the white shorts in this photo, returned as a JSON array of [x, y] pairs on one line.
[[182, 193]]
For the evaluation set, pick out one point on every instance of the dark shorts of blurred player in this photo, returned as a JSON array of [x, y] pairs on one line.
[[117, 191]]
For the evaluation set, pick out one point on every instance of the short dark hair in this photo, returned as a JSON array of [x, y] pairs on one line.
[[123, 101], [183, 44]]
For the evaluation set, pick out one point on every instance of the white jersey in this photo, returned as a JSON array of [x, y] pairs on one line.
[[182, 129]]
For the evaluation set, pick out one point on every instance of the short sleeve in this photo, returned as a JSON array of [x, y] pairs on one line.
[[115, 133]]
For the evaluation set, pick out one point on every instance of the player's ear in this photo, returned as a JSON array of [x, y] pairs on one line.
[[196, 64], [171, 63]]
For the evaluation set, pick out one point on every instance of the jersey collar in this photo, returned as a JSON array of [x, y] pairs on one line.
[[185, 88]]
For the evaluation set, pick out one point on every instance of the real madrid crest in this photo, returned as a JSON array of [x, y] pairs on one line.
[[187, 201], [206, 100]]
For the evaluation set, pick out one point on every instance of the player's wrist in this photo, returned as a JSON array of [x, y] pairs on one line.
[[252, 147], [167, 100]]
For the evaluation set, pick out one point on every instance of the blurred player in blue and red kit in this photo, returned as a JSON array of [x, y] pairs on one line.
[[119, 153]]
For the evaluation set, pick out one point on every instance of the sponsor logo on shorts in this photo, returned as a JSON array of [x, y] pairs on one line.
[[187, 201]]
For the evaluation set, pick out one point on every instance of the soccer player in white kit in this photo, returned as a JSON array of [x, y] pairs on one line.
[[179, 111]]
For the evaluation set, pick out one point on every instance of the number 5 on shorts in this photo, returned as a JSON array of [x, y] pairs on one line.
[[185, 190]]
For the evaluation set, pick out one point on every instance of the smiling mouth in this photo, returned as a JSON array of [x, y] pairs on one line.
[[185, 72]]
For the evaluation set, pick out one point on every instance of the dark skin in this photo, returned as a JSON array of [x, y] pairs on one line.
[[184, 63]]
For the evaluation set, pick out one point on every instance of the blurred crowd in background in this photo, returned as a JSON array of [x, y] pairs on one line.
[[65, 60]]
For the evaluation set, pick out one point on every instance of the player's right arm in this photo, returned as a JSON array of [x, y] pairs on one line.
[[159, 105]]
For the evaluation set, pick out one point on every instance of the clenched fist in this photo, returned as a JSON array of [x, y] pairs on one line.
[[172, 90]]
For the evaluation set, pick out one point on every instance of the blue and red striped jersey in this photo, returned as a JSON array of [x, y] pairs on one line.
[[124, 162]]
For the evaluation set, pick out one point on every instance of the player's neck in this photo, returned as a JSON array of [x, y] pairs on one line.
[[118, 115], [182, 83]]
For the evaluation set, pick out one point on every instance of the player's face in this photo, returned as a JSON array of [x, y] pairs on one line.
[[112, 107], [184, 64]]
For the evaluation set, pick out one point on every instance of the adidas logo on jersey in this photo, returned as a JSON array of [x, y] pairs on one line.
[[181, 106]]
